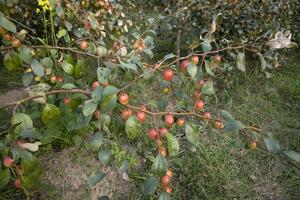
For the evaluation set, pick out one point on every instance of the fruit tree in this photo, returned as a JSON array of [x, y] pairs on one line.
[[94, 80]]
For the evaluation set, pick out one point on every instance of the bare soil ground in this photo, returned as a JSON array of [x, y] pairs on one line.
[[68, 170]]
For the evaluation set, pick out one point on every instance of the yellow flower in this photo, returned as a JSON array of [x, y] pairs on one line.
[[44, 4]]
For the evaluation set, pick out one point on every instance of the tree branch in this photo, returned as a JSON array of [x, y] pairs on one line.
[[61, 91], [262, 146]]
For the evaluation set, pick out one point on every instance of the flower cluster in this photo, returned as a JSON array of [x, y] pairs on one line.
[[44, 4]]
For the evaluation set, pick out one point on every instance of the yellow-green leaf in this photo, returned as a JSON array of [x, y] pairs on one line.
[[50, 113]]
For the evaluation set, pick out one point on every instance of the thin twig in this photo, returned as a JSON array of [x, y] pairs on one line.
[[61, 91], [203, 55], [262, 146], [20, 23]]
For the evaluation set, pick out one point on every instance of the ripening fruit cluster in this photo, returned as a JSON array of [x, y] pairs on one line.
[[14, 39], [158, 135], [9, 163], [165, 181]]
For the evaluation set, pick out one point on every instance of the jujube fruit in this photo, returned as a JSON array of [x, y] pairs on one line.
[[123, 99], [16, 43], [141, 116], [168, 75], [218, 124], [8, 161], [84, 44], [252, 145], [168, 189], [126, 113], [169, 173], [95, 85], [169, 120], [207, 116], [163, 151], [199, 105], [152, 134], [7, 37], [180, 122], [217, 59], [17, 183], [195, 60], [163, 132], [184, 65], [67, 101], [165, 180]]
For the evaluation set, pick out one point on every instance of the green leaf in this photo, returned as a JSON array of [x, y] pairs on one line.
[[206, 46], [104, 156], [103, 74], [262, 60], [173, 145], [109, 90], [27, 79], [24, 120], [164, 196], [50, 113], [192, 70], [25, 54], [101, 51], [7, 24], [61, 33], [192, 134], [271, 143], [12, 129], [59, 11], [226, 115], [132, 127], [159, 166], [68, 68], [105, 119], [47, 62], [96, 141], [79, 67], [95, 177], [68, 25], [2, 146], [169, 56], [12, 61], [108, 103], [208, 68], [77, 140], [4, 177], [230, 124], [30, 165], [128, 65], [97, 94], [150, 185], [292, 155], [32, 170], [208, 88], [89, 108], [37, 68], [68, 86], [241, 61]]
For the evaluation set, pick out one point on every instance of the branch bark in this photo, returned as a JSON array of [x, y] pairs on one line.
[[61, 91]]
